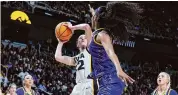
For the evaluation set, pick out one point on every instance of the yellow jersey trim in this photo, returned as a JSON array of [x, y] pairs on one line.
[[96, 41], [99, 29], [93, 90], [95, 37]]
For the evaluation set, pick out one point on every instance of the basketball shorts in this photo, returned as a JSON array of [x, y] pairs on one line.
[[86, 88], [110, 84]]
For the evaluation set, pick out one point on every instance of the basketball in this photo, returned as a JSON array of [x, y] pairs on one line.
[[63, 33]]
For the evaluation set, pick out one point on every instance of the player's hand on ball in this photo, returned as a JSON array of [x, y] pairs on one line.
[[71, 27], [68, 24], [125, 77], [63, 32], [61, 41]]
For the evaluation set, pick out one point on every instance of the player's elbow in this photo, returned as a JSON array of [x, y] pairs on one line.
[[110, 53], [87, 27], [57, 58]]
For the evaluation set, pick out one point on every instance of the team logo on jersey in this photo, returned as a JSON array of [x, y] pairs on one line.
[[79, 57], [79, 61]]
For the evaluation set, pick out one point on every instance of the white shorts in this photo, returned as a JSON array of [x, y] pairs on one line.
[[86, 88]]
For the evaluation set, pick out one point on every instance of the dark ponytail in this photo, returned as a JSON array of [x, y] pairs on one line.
[[118, 17]]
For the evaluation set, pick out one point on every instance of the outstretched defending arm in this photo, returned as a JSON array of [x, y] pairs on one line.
[[105, 40]]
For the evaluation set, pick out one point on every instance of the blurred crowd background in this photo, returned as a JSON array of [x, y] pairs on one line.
[[29, 49]]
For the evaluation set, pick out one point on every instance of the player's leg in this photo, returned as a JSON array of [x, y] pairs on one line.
[[88, 88], [76, 90], [110, 85], [91, 88], [111, 89]]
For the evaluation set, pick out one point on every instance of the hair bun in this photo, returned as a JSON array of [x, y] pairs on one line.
[[101, 11]]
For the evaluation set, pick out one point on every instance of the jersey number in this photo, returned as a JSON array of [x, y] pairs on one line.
[[81, 63]]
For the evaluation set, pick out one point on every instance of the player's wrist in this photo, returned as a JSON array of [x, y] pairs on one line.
[[60, 43], [119, 70]]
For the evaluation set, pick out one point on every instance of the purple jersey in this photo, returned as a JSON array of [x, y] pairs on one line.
[[100, 60], [104, 69]]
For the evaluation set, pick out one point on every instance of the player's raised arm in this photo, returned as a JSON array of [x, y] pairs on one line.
[[86, 28], [61, 33], [63, 59]]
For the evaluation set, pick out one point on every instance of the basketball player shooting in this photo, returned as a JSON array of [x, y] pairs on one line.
[[109, 21], [82, 62]]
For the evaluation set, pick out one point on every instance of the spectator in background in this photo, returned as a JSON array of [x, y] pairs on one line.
[[41, 67], [42, 85], [164, 85], [11, 89], [1, 92], [126, 91], [1, 77], [22, 73], [5, 81], [27, 86], [64, 88]]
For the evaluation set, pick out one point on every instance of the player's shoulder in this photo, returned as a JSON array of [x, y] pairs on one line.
[[84, 52], [173, 92], [87, 50]]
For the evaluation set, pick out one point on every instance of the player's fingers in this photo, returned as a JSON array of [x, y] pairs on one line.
[[130, 80], [125, 81], [69, 23], [65, 24], [91, 9], [89, 5]]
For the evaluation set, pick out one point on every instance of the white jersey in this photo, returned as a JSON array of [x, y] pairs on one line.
[[84, 86], [83, 66]]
